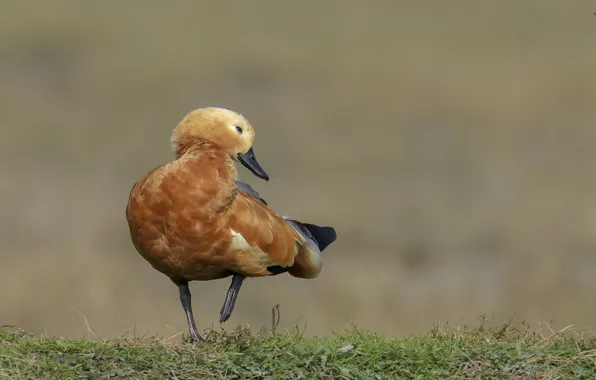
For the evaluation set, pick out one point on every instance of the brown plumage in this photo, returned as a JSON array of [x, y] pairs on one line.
[[192, 220]]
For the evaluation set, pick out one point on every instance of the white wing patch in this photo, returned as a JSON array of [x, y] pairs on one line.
[[239, 242], [257, 255]]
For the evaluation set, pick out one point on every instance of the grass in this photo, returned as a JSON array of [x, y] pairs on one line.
[[446, 352]]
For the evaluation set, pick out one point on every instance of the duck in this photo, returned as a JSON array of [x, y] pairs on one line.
[[192, 219]]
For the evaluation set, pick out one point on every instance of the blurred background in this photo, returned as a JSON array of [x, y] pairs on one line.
[[451, 145]]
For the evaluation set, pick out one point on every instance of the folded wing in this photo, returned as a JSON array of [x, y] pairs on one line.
[[279, 244]]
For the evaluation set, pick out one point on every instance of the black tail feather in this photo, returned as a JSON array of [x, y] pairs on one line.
[[323, 236]]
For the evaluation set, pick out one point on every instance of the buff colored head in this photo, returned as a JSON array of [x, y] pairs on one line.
[[229, 131]]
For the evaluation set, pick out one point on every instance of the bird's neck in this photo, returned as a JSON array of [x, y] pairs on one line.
[[188, 145], [214, 172]]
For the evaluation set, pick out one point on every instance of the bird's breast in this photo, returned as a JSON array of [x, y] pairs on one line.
[[175, 226]]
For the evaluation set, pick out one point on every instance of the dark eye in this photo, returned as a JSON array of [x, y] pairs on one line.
[[239, 129]]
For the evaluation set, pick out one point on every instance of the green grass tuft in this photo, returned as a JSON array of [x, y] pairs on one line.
[[444, 353]]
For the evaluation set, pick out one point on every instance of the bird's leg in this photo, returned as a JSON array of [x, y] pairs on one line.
[[186, 304], [231, 296]]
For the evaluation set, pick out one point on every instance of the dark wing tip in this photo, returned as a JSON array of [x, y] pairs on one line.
[[276, 269], [248, 189]]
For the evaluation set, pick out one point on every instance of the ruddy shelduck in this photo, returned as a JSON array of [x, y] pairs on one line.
[[192, 220]]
